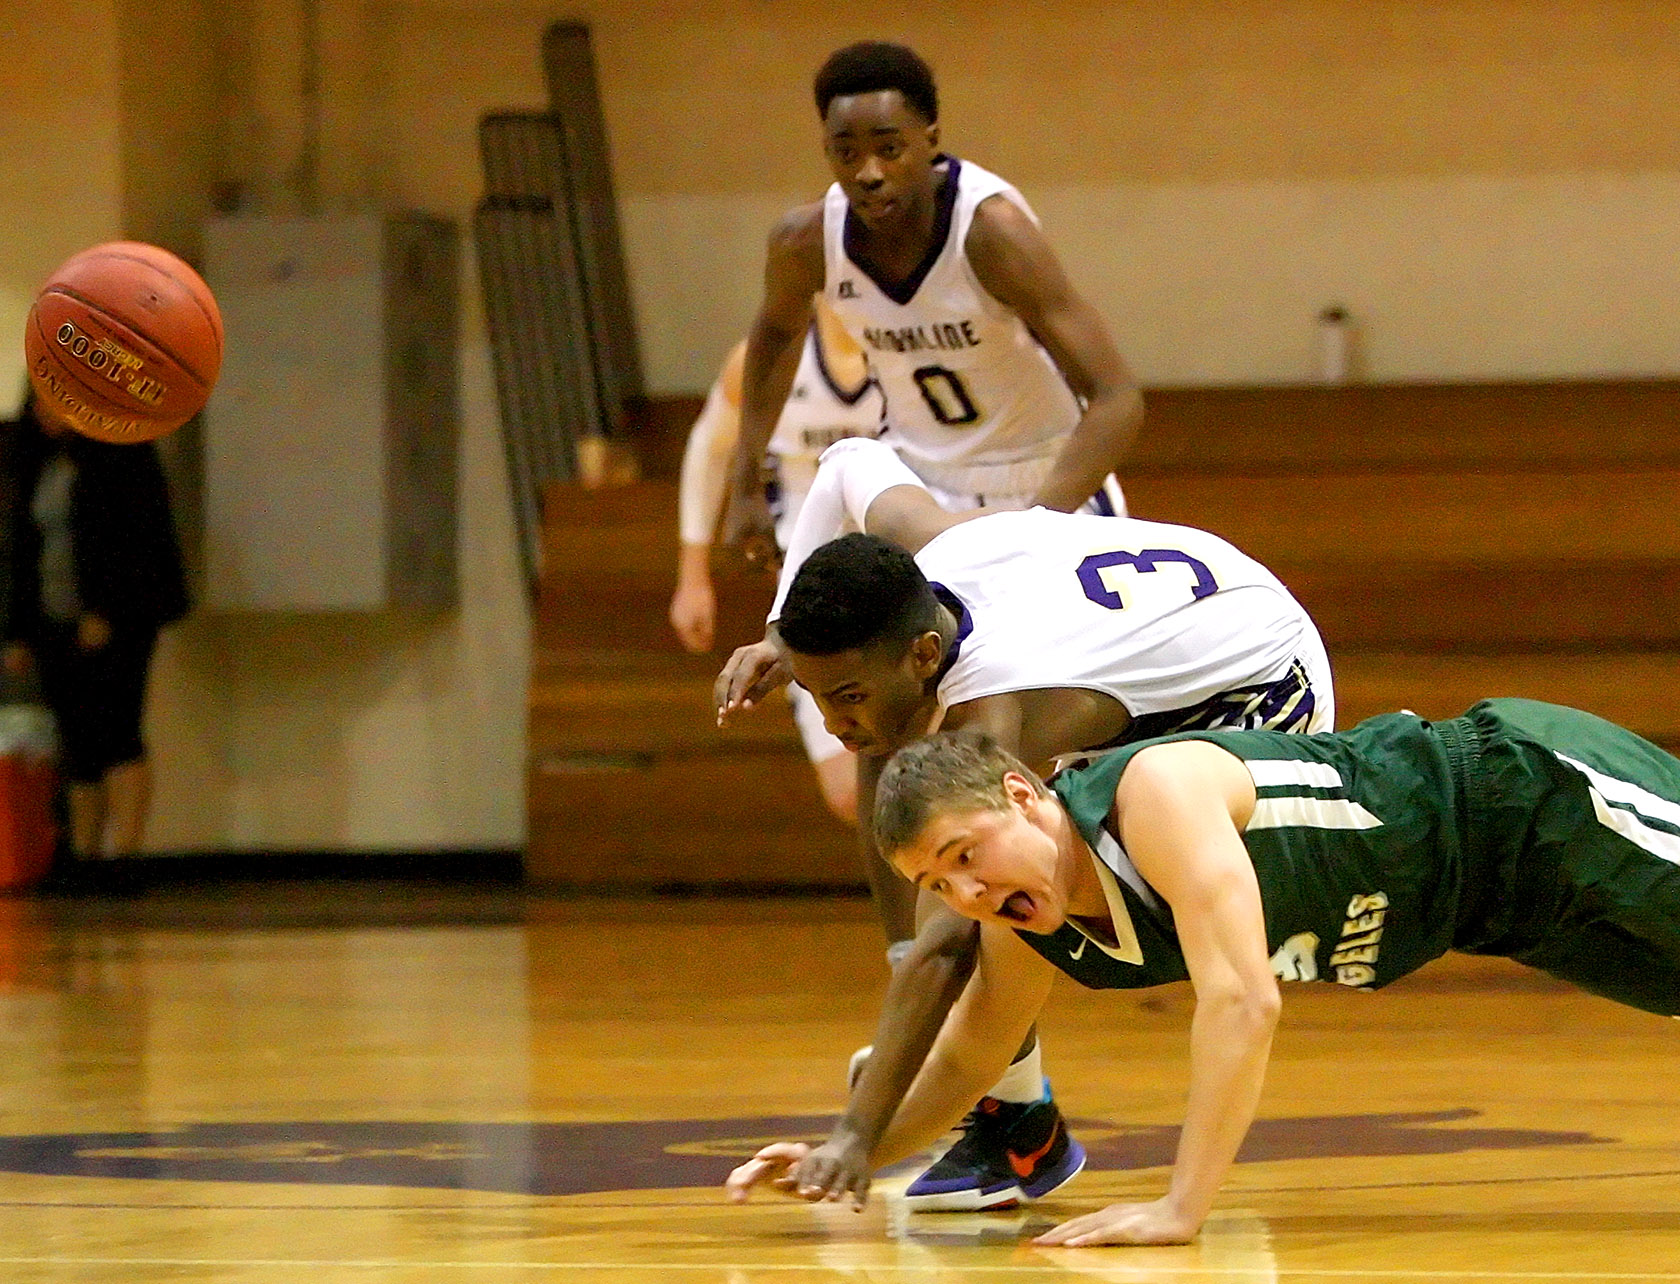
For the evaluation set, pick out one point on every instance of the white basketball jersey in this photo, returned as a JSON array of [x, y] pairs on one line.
[[819, 412], [1159, 617], [974, 404]]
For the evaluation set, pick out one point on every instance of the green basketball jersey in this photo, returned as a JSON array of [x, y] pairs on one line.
[[1354, 841], [1526, 830]]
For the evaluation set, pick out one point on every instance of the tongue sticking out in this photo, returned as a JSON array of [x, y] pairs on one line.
[[1018, 907]]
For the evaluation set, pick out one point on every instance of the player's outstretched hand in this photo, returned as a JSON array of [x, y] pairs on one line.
[[1156, 1223], [771, 1166], [831, 1172], [752, 673]]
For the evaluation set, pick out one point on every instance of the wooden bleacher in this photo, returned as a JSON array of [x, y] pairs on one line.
[[1453, 542], [630, 782]]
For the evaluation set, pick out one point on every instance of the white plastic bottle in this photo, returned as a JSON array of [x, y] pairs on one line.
[[1335, 345]]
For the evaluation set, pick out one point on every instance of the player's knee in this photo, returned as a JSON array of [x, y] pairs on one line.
[[950, 938], [837, 778]]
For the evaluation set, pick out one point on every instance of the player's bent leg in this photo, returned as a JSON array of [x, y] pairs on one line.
[[837, 779], [1605, 959], [836, 768], [1601, 853], [1580, 822]]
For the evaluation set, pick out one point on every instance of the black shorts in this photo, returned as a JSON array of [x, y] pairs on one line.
[[98, 697]]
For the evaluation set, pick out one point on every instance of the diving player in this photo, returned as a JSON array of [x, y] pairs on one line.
[[832, 398], [1055, 631], [1236, 858]]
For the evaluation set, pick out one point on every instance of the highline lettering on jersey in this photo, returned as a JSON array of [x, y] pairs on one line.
[[941, 336]]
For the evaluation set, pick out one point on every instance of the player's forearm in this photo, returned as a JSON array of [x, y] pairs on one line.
[[694, 564], [1094, 449], [925, 985], [1230, 1042], [767, 375], [853, 474], [960, 1068], [822, 517], [705, 469]]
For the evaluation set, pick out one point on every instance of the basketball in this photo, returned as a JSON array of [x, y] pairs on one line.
[[124, 342]]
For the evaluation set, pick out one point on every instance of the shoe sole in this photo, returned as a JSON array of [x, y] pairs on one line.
[[966, 1201], [1076, 1153]]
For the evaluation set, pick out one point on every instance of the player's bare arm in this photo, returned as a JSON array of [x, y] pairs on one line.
[[1180, 809], [793, 272], [905, 514], [1036, 725], [925, 986], [1016, 265], [1002, 999], [910, 517], [748, 677], [706, 467]]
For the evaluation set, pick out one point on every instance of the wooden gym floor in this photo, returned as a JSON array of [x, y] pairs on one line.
[[486, 1087]]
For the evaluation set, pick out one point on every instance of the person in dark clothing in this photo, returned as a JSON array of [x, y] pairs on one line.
[[94, 571]]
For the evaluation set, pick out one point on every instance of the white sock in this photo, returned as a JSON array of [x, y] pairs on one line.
[[1023, 1081]]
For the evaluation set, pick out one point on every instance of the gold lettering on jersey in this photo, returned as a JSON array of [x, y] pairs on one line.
[[1297, 958], [942, 336], [1355, 955]]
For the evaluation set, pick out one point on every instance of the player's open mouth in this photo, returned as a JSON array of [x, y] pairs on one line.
[[1017, 907]]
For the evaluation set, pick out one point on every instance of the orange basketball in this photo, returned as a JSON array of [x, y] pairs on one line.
[[124, 342]]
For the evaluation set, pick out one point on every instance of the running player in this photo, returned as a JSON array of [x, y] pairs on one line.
[[1235, 859], [832, 398], [1056, 632], [1003, 387]]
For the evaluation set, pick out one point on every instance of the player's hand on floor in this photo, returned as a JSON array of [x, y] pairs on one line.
[[1156, 1223], [831, 1172], [752, 673], [771, 1166]]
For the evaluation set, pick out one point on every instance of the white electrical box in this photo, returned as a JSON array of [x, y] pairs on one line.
[[330, 461]]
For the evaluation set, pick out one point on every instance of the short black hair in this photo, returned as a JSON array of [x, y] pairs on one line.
[[873, 65], [854, 592]]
